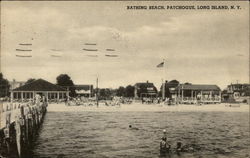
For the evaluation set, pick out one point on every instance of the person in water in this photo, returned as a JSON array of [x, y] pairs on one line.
[[179, 147], [164, 145], [134, 128]]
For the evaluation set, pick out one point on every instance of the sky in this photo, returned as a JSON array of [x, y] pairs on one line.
[[199, 46]]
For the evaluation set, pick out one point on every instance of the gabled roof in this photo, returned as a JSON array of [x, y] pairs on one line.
[[84, 87], [240, 84], [151, 89], [40, 85], [147, 84], [198, 87]]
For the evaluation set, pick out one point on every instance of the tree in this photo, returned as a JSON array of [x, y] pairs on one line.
[[4, 86], [30, 80], [102, 93], [65, 81], [120, 91], [129, 91], [105, 93], [113, 92]]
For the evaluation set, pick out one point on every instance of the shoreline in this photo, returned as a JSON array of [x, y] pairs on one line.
[[137, 107]]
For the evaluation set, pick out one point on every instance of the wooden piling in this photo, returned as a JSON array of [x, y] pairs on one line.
[[1, 113], [7, 131], [18, 136]]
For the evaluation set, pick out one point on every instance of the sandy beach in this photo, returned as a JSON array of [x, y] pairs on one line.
[[223, 107]]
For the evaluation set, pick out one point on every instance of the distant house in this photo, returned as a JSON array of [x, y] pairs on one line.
[[15, 84], [197, 93], [44, 88], [84, 90], [145, 89], [169, 88], [236, 93]]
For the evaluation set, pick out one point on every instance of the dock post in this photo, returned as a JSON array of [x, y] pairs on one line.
[[30, 126], [26, 128], [7, 138], [7, 132], [24, 136], [1, 113], [18, 136]]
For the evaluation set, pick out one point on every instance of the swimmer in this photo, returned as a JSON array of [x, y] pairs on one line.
[[179, 147], [134, 128], [164, 145], [165, 134]]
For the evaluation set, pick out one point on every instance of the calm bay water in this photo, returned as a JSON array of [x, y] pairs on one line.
[[106, 134]]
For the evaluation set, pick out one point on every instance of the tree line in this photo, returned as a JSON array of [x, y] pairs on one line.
[[4, 86], [65, 81]]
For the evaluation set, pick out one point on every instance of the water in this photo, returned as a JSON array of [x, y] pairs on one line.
[[106, 134]]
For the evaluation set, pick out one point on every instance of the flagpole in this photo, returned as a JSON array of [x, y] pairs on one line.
[[163, 84]]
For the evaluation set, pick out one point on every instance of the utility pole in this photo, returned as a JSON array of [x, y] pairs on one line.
[[97, 102], [67, 95], [163, 90]]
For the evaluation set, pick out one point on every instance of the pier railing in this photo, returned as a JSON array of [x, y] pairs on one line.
[[19, 123]]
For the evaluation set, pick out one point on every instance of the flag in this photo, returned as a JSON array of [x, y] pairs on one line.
[[160, 65]]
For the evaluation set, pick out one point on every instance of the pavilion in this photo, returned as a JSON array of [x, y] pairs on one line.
[[44, 88], [197, 93]]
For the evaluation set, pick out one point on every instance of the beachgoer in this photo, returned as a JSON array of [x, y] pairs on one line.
[[164, 145], [134, 128], [179, 147]]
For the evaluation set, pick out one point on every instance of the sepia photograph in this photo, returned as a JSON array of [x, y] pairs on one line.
[[124, 79]]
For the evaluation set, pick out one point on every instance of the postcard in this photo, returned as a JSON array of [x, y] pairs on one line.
[[95, 79]]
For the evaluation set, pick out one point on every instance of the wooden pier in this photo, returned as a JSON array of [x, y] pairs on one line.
[[19, 126]]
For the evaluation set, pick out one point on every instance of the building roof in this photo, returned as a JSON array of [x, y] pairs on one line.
[[148, 84], [150, 88], [239, 84], [198, 87], [40, 85], [84, 87]]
